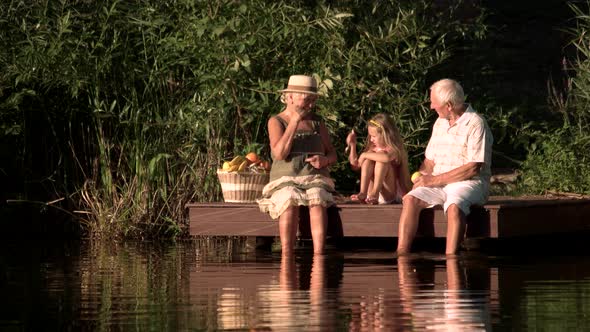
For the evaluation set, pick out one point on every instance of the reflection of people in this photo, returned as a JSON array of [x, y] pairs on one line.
[[301, 301], [321, 316], [385, 177], [456, 168], [301, 150], [449, 310]]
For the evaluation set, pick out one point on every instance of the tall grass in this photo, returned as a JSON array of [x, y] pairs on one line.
[[138, 102], [559, 160]]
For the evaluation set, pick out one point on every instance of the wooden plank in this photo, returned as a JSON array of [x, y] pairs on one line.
[[500, 217], [536, 218], [221, 219]]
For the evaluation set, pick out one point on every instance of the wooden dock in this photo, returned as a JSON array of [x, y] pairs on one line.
[[501, 217]]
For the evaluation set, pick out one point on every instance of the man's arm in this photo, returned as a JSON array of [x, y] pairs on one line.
[[460, 173], [427, 167]]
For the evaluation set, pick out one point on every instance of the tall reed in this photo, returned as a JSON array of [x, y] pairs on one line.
[[558, 160], [139, 102]]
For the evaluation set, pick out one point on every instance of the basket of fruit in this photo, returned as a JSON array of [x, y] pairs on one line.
[[243, 178]]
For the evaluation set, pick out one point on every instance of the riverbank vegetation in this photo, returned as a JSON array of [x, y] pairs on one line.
[[120, 112], [559, 159]]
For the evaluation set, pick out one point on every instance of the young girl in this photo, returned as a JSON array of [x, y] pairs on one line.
[[385, 176]]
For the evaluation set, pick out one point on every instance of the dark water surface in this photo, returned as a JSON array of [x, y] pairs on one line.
[[210, 285]]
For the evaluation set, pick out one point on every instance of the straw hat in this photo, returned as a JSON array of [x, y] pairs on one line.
[[302, 84]]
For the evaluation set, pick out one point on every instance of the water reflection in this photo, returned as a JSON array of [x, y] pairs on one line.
[[211, 287], [334, 293], [305, 297], [419, 294], [447, 308]]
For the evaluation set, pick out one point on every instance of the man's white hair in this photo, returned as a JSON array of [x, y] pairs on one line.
[[448, 91]]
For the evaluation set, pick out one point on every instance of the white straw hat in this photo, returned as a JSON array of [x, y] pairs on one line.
[[302, 84]]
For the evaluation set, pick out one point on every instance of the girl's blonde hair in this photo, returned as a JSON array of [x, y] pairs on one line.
[[388, 130], [392, 139]]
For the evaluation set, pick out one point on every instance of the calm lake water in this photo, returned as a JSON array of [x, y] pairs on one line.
[[213, 284]]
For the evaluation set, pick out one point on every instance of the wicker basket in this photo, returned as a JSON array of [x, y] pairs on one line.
[[241, 187]]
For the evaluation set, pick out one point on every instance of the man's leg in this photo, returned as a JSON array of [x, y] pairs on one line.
[[408, 223], [456, 221]]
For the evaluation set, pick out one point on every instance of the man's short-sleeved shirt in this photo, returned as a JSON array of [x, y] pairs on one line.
[[468, 140]]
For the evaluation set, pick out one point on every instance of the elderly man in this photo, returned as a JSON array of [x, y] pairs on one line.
[[456, 168]]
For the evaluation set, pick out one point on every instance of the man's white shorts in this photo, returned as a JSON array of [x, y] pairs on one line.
[[464, 194]]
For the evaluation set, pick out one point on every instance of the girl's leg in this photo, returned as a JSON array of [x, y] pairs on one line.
[[391, 190], [288, 224], [384, 182], [318, 218], [367, 171]]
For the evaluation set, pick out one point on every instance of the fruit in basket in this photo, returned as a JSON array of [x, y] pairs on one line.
[[265, 164], [252, 157], [237, 160], [234, 164], [243, 165], [251, 163]]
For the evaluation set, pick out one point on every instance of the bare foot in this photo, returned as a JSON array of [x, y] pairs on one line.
[[360, 197], [372, 200]]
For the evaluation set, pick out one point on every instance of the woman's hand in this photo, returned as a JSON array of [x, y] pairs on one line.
[[317, 161], [300, 114]]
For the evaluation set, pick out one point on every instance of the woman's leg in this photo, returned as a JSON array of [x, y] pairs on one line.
[[288, 224], [318, 218]]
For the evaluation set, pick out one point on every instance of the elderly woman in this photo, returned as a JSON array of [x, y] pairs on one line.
[[301, 151]]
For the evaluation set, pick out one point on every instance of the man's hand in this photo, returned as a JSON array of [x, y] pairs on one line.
[[425, 181], [317, 161]]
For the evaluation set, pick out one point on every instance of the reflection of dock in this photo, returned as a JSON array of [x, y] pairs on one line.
[[501, 217], [301, 294]]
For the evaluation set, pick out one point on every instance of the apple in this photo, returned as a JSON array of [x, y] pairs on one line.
[[415, 176]]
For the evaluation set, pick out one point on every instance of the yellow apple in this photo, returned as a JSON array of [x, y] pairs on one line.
[[415, 176]]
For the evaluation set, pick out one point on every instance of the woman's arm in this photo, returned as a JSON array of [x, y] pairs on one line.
[[329, 156], [281, 140]]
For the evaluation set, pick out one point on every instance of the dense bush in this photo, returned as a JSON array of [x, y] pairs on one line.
[[559, 161], [122, 110], [559, 164]]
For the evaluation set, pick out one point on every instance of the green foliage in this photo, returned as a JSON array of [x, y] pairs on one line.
[[559, 164], [137, 103], [559, 159], [577, 108]]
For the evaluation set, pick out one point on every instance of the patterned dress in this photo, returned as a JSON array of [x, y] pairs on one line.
[[293, 181]]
